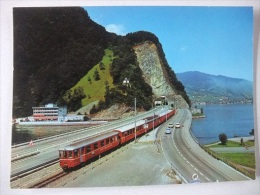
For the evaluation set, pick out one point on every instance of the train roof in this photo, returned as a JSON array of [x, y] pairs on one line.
[[89, 141], [164, 112], [131, 126]]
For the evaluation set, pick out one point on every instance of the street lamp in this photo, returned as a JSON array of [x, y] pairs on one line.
[[127, 83], [163, 96], [135, 120]]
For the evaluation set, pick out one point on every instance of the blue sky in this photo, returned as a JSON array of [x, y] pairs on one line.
[[213, 40]]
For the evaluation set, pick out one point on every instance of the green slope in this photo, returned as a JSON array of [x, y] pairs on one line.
[[95, 90]]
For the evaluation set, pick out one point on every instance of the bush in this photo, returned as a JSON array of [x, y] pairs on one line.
[[223, 138]]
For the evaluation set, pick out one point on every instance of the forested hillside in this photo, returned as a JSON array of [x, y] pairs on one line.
[[54, 48]]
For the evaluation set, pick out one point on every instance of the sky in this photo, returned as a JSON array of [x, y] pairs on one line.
[[213, 40]]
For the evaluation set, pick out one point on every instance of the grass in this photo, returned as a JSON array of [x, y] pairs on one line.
[[95, 90], [243, 162], [244, 159], [232, 144]]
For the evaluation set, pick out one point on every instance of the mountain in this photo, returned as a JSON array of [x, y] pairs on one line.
[[62, 56], [203, 87]]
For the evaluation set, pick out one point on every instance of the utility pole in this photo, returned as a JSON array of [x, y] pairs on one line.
[[135, 120]]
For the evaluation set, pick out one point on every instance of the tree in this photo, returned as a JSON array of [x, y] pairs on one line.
[[89, 80], [102, 66], [242, 142], [252, 132], [96, 75], [223, 138]]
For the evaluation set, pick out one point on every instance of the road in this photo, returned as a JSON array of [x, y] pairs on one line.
[[187, 158]]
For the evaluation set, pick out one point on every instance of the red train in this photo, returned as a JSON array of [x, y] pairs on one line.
[[75, 154]]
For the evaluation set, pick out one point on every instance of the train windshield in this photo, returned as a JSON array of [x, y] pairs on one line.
[[63, 154]]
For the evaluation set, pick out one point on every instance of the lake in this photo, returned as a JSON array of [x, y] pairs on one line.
[[27, 133], [231, 119]]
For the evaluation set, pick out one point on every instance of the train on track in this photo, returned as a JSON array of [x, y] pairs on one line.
[[78, 153]]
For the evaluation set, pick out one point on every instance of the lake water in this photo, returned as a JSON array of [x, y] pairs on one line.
[[231, 119], [27, 133]]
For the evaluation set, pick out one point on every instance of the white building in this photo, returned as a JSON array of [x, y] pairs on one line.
[[49, 112]]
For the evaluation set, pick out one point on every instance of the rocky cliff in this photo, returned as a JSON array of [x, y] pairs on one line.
[[155, 74]]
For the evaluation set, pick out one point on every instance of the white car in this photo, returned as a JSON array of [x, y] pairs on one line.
[[177, 125], [171, 125], [167, 131]]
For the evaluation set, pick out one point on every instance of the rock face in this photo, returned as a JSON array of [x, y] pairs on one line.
[[153, 71]]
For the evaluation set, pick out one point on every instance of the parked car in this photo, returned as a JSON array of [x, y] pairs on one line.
[[171, 125], [177, 125], [167, 131]]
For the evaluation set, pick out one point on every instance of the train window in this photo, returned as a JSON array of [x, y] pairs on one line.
[[107, 141], [111, 139], [88, 149], [82, 150], [102, 143], [75, 153], [70, 154], [95, 145]]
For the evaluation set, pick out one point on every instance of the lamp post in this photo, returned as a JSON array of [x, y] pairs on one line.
[[135, 120], [127, 83], [164, 103]]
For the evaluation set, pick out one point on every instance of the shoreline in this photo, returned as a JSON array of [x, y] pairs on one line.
[[235, 139]]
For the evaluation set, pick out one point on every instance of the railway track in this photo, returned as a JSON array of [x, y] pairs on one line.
[[36, 175], [50, 179]]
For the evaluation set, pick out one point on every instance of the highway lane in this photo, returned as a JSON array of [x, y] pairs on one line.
[[47, 150], [187, 158]]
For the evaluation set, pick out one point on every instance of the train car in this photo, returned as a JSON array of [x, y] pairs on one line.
[[76, 153], [127, 132]]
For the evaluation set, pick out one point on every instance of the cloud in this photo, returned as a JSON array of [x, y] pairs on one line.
[[116, 28]]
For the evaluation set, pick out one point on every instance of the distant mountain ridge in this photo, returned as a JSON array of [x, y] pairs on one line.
[[202, 87]]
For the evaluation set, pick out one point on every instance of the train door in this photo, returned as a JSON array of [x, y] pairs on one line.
[[81, 154]]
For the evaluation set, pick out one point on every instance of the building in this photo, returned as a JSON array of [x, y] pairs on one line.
[[49, 112]]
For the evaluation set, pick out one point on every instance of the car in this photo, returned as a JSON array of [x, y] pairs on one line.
[[177, 125], [171, 125], [167, 131]]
